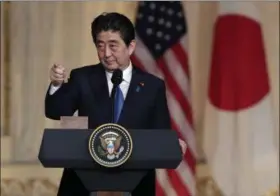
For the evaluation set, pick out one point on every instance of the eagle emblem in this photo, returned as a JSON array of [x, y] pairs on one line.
[[111, 145]]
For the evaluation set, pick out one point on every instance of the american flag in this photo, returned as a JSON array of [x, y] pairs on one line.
[[161, 34]]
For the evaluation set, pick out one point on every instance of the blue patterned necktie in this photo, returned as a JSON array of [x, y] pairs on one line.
[[119, 100]]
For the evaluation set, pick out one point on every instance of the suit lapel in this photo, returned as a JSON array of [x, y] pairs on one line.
[[131, 97], [103, 109], [98, 83]]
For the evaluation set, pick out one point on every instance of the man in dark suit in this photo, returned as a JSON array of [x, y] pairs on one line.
[[88, 91]]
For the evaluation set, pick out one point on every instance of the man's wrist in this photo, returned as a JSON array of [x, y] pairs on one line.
[[54, 88]]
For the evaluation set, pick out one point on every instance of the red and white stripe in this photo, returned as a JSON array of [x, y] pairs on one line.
[[173, 68]]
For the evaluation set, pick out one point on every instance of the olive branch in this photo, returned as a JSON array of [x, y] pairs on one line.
[[100, 151]]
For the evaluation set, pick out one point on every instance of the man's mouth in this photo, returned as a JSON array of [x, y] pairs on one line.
[[109, 62]]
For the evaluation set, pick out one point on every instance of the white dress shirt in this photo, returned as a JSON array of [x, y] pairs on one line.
[[127, 74]]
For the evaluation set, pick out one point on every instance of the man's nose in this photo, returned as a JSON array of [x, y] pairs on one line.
[[108, 52]]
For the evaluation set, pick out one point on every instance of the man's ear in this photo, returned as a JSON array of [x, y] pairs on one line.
[[131, 47]]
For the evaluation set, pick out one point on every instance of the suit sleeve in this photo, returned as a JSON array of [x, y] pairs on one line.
[[161, 113], [64, 101]]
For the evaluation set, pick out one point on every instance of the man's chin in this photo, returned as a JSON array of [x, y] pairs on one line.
[[111, 67]]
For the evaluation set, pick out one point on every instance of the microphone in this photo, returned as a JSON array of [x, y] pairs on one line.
[[116, 79]]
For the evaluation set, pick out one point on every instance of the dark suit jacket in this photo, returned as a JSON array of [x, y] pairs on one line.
[[87, 91]]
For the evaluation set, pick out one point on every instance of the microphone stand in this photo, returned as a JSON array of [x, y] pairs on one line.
[[113, 102], [116, 80]]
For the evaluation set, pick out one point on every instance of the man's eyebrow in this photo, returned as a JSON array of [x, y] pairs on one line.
[[113, 41], [110, 41]]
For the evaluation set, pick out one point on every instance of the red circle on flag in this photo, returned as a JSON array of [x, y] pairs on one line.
[[238, 75]]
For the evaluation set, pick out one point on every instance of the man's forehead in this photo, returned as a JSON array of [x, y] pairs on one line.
[[108, 36]]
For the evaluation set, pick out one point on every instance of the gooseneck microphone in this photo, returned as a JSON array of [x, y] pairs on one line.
[[116, 79]]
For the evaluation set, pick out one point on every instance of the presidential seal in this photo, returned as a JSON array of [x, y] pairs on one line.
[[110, 145]]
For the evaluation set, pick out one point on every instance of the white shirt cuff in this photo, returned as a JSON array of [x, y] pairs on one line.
[[53, 89]]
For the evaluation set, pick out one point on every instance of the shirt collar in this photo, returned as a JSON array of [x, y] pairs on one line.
[[127, 73]]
